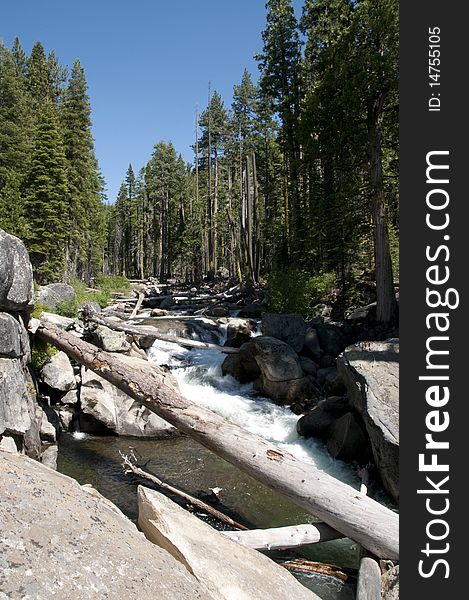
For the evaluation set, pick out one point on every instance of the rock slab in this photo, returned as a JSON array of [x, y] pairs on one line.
[[62, 540], [229, 570], [370, 371]]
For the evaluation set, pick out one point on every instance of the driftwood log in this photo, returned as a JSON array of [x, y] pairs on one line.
[[356, 516], [280, 538], [129, 467], [153, 333]]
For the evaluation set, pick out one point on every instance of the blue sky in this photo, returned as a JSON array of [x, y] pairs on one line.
[[147, 63]]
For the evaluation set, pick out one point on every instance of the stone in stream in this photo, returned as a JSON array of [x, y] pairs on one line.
[[282, 377], [103, 404], [319, 420], [230, 570], [347, 440], [81, 546], [370, 371], [16, 275]]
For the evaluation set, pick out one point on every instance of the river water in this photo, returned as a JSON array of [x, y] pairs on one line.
[[184, 463]]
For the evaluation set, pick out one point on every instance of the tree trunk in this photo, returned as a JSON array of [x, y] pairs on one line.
[[358, 517], [385, 306]]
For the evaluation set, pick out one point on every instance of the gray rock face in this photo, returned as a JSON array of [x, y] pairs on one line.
[[16, 275], [58, 373], [82, 546], [14, 342], [117, 411], [370, 371], [230, 570], [17, 405], [53, 294], [288, 328]]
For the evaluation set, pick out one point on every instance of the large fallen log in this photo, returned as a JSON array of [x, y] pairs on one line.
[[280, 538], [153, 333], [356, 516]]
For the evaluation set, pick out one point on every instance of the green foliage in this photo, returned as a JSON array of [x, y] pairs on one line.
[[294, 291], [106, 286], [41, 352], [46, 203]]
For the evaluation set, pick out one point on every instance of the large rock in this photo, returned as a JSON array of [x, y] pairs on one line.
[[282, 377], [348, 441], [81, 547], [288, 328], [53, 294], [312, 347], [117, 411], [331, 338], [319, 420], [229, 570], [370, 370], [58, 373], [111, 341], [16, 275]]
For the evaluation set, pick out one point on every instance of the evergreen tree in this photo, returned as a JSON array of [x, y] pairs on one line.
[[39, 78], [46, 202], [280, 84], [84, 188], [14, 119]]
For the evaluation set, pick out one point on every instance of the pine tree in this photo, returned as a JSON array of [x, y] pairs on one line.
[[15, 145], [85, 206], [39, 78], [214, 124], [46, 202], [279, 64]]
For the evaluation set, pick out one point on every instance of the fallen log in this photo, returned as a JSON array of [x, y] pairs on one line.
[[279, 538], [137, 306], [356, 516], [129, 467], [152, 333], [309, 566]]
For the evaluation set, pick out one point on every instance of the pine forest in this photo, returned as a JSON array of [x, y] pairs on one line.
[[293, 184]]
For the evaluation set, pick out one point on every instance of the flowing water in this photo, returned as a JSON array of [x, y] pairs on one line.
[[184, 463]]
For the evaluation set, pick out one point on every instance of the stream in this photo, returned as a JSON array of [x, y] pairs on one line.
[[184, 463]]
